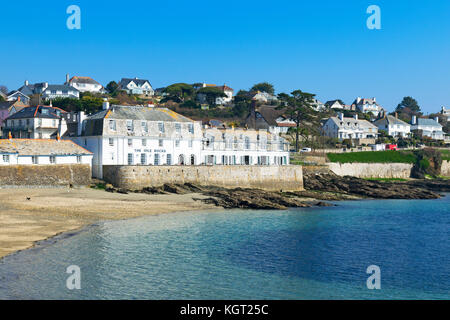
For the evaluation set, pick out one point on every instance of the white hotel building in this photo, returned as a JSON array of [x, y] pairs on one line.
[[138, 135]]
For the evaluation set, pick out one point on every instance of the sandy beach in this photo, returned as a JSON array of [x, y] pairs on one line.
[[51, 211]]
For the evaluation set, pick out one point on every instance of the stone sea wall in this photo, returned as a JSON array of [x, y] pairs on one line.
[[45, 175], [372, 170], [445, 168], [273, 178]]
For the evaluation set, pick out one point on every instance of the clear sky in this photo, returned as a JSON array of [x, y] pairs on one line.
[[322, 46]]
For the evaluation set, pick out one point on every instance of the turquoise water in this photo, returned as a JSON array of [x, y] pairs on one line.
[[318, 253]]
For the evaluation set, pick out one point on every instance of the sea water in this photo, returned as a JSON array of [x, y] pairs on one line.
[[305, 253]]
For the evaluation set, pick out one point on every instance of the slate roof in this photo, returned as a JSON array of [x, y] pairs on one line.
[[139, 82], [140, 113], [34, 147], [391, 120], [38, 112], [353, 121], [428, 122]]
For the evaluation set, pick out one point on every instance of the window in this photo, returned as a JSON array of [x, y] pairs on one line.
[[143, 159], [144, 142], [112, 125], [160, 142], [6, 158], [78, 159], [156, 159], [130, 142], [190, 143], [247, 143], [130, 159], [52, 159], [20, 123], [178, 127], [191, 127], [35, 159], [144, 126], [161, 127], [169, 159], [111, 142], [177, 143], [130, 125]]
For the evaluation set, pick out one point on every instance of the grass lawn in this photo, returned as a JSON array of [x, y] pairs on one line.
[[373, 157], [445, 155]]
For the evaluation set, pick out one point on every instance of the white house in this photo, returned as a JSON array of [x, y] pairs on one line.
[[318, 105], [136, 86], [428, 128], [41, 122], [367, 105], [334, 104], [393, 126], [230, 146], [445, 112], [262, 96], [85, 84], [221, 100], [38, 152], [349, 128], [17, 96], [138, 135], [51, 91]]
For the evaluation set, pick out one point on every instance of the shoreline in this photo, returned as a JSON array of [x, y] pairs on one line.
[[51, 212], [29, 216]]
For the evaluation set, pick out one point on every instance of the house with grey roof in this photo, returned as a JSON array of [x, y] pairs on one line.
[[42, 152], [350, 128], [136, 86], [51, 91], [40, 122], [393, 126], [143, 135], [16, 95], [428, 128], [269, 118], [367, 105], [445, 112]]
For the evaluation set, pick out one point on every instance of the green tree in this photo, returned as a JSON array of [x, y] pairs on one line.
[[179, 92], [297, 107], [408, 103], [112, 87], [212, 93], [264, 87]]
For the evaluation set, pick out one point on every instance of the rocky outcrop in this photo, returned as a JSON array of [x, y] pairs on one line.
[[320, 187], [417, 189]]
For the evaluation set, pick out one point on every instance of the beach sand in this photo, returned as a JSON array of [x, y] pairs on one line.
[[51, 211]]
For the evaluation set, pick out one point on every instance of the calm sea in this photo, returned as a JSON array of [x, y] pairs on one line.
[[318, 253]]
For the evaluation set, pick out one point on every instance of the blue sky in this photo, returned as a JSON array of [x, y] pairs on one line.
[[323, 47]]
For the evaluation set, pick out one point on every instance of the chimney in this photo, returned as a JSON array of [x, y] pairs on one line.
[[374, 100], [67, 78], [414, 120], [26, 82], [341, 116], [105, 105], [45, 85], [358, 100], [396, 115], [355, 116], [81, 116], [436, 119]]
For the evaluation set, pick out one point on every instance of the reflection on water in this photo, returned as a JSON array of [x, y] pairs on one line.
[[319, 253]]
